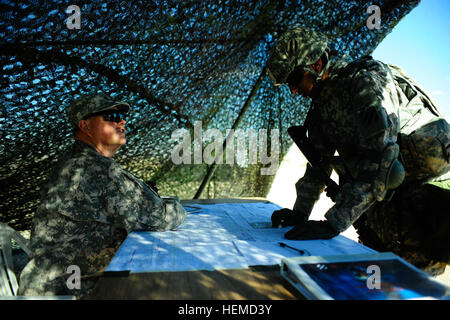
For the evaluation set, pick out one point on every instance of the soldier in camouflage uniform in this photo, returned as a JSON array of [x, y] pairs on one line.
[[90, 204], [391, 142]]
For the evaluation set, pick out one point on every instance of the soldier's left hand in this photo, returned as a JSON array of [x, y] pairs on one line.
[[311, 230]]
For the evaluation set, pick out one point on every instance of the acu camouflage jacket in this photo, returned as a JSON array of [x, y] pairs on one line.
[[343, 108], [88, 207]]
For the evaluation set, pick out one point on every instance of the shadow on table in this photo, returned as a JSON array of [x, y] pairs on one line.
[[233, 284]]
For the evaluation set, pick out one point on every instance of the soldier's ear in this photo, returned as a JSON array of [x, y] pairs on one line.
[[84, 126]]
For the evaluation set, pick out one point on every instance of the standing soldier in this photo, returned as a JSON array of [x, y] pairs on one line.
[[393, 145]]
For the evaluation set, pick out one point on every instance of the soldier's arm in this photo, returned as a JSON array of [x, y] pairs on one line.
[[308, 188], [136, 207], [311, 185], [103, 192], [378, 170], [168, 214]]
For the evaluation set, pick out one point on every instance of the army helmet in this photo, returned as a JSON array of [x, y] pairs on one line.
[[296, 47]]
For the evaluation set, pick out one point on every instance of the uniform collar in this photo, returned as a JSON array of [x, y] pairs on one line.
[[81, 146]]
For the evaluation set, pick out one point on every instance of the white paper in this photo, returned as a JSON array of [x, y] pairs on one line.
[[221, 236]]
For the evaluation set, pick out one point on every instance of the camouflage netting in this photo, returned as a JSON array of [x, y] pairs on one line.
[[175, 63]]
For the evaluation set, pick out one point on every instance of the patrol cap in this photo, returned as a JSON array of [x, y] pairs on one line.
[[299, 46], [93, 103]]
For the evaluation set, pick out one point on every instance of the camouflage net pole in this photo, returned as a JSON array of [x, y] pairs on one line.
[[236, 123]]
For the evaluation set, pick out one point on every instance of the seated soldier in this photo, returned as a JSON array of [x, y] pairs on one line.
[[90, 204], [391, 141]]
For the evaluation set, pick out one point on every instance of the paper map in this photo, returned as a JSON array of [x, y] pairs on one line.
[[221, 236]]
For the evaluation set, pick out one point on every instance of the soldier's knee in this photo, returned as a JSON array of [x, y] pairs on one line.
[[427, 150]]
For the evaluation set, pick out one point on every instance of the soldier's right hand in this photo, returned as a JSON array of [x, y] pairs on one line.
[[287, 217]]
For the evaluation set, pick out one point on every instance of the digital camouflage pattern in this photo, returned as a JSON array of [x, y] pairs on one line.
[[296, 47], [344, 111], [413, 225], [88, 207], [354, 112], [426, 151], [373, 115], [91, 104]]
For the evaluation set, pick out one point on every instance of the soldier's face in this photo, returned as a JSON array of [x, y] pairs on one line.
[[302, 81], [107, 133], [305, 85]]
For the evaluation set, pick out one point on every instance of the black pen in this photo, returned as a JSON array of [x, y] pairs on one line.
[[284, 245]]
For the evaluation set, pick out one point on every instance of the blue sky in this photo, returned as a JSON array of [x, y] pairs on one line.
[[420, 45]]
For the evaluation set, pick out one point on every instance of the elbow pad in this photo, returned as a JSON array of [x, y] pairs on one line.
[[391, 174], [395, 176]]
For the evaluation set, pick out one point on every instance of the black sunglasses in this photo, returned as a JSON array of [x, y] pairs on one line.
[[108, 115]]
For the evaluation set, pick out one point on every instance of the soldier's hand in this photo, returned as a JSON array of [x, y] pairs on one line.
[[311, 230], [287, 217]]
